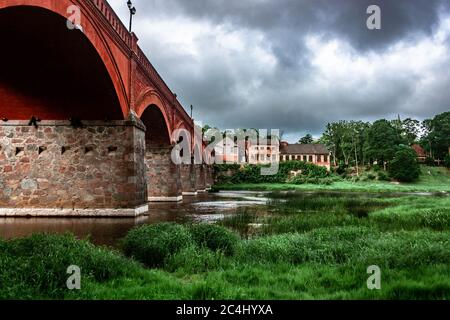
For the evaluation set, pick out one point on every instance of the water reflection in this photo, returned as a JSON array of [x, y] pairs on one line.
[[106, 231]]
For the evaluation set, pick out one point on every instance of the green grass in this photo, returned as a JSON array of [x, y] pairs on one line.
[[433, 179], [310, 247]]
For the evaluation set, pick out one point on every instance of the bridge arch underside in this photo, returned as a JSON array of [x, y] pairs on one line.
[[55, 74], [50, 71], [163, 174]]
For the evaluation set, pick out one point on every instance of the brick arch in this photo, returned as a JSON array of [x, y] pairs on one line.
[[92, 32], [152, 98]]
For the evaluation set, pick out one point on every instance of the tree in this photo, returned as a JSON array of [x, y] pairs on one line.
[[410, 130], [308, 139], [205, 128], [437, 138], [383, 140], [331, 138], [347, 141], [447, 161], [405, 167]]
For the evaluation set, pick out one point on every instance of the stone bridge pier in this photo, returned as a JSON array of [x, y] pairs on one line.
[[188, 180], [72, 171], [209, 177], [163, 176], [200, 175]]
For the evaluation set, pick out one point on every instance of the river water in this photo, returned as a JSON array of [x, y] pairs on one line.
[[202, 208], [105, 231]]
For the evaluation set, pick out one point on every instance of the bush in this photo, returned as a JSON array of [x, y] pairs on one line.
[[371, 176], [429, 161], [153, 244], [447, 161], [383, 176], [305, 180], [252, 173], [405, 166], [215, 238], [342, 168]]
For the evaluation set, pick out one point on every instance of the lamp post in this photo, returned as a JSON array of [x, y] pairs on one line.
[[132, 12]]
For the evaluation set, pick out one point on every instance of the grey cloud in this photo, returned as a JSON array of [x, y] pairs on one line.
[[287, 99]]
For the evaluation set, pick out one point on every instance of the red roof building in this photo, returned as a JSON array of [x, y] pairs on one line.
[[421, 154]]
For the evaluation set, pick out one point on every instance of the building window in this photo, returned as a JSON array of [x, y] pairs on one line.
[[310, 158], [325, 158]]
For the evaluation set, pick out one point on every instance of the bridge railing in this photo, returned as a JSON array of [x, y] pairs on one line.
[[160, 83], [113, 20], [109, 14]]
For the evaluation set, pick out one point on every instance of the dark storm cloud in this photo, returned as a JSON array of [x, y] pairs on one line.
[[287, 20], [294, 93]]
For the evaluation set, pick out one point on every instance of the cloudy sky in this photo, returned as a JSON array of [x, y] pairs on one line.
[[295, 65]]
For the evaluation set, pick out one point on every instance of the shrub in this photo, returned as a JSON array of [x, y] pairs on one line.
[[153, 244], [252, 173], [447, 161], [405, 166], [342, 168], [371, 176], [429, 161], [305, 180], [215, 238], [383, 176]]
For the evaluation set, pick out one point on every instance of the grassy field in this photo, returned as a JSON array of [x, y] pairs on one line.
[[433, 179], [309, 247]]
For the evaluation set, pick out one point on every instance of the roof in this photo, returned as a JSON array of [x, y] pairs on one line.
[[304, 149], [419, 150]]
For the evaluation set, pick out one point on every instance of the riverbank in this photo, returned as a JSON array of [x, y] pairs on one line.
[[315, 247], [433, 179]]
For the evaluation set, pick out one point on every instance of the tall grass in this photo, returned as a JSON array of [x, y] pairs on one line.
[[36, 267], [310, 247]]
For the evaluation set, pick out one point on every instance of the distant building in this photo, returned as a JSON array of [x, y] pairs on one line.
[[317, 154], [421, 154], [263, 153], [227, 151]]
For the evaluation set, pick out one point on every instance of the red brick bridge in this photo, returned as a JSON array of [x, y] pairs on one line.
[[105, 118]]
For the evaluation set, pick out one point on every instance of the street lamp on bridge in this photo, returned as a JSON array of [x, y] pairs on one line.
[[132, 12]]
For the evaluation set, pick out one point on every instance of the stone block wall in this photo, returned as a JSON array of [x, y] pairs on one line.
[[188, 179], [209, 176], [163, 176], [200, 177], [57, 166]]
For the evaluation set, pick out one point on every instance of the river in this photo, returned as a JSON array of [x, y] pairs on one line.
[[208, 207]]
